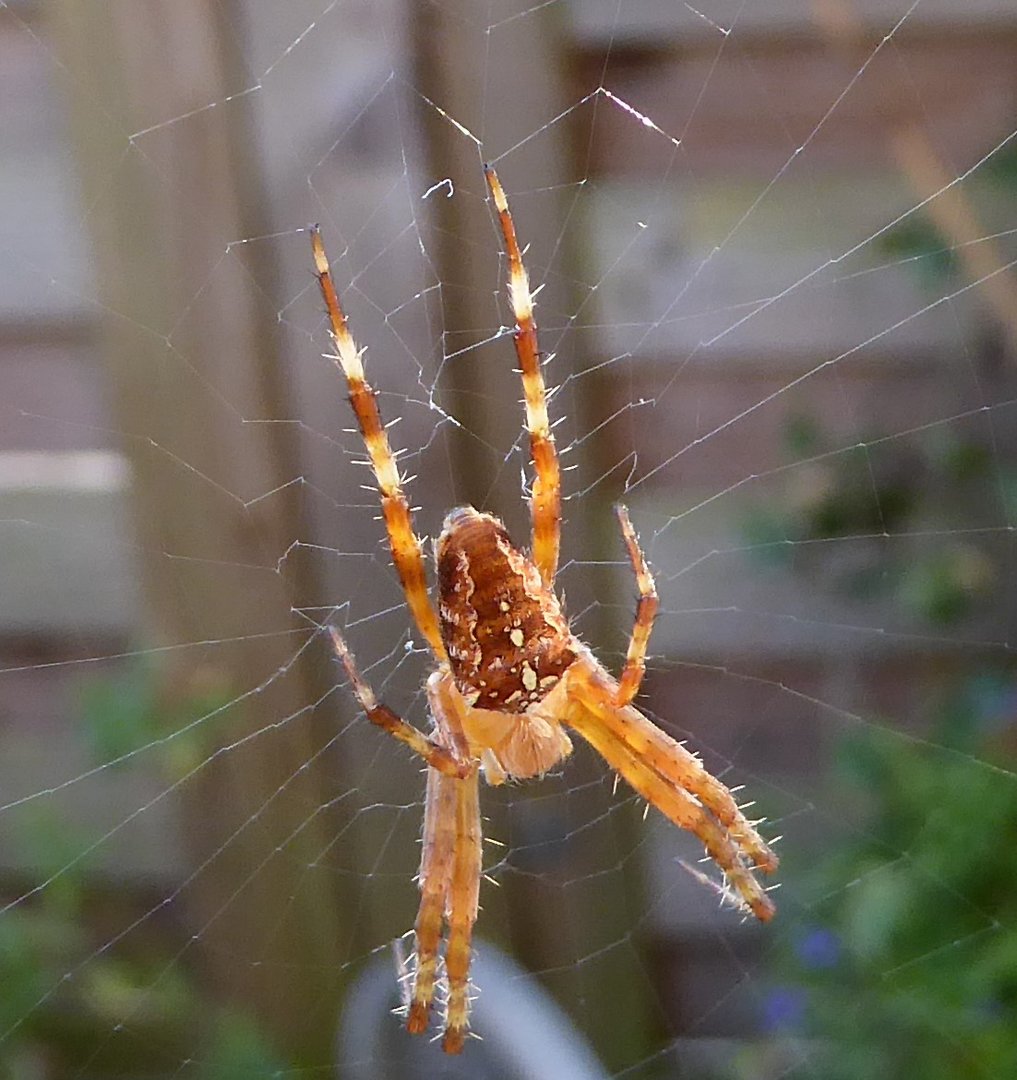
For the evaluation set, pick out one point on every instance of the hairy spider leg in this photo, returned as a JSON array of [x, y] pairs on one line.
[[463, 902], [438, 757], [545, 501], [646, 612], [678, 806], [461, 880], [597, 691], [450, 864], [403, 541], [436, 862]]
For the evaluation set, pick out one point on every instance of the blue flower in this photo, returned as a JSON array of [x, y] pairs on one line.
[[819, 949], [784, 1008]]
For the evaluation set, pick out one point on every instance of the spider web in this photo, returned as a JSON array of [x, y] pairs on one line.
[[775, 245]]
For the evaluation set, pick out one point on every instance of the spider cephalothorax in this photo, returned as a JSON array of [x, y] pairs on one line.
[[510, 675]]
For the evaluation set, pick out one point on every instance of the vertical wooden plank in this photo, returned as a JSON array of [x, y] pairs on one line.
[[187, 340]]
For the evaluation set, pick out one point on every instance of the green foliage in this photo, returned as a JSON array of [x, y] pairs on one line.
[[901, 514], [62, 999], [239, 1051], [69, 1007], [931, 258], [910, 965], [900, 490], [123, 714], [917, 239], [1001, 169]]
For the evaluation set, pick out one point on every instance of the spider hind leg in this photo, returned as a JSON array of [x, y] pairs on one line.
[[403, 541], [545, 500]]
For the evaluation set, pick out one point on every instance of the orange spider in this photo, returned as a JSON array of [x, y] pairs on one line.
[[511, 674]]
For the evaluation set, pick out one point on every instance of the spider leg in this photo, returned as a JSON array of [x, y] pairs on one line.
[[680, 807], [438, 757], [646, 612], [463, 896], [436, 863], [403, 541], [461, 880], [597, 691], [545, 504]]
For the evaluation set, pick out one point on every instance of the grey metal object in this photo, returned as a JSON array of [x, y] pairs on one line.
[[524, 1035]]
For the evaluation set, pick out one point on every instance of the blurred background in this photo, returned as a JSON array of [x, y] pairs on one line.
[[776, 246]]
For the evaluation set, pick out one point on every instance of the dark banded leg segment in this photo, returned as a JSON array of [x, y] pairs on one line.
[[436, 756], [646, 612]]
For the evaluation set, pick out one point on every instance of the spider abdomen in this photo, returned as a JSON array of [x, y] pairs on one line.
[[507, 639]]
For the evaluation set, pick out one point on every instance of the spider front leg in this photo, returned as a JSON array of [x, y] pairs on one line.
[[450, 869], [679, 807], [596, 690], [646, 612], [463, 903], [545, 505], [436, 863]]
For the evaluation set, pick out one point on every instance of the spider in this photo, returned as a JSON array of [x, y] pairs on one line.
[[511, 676]]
